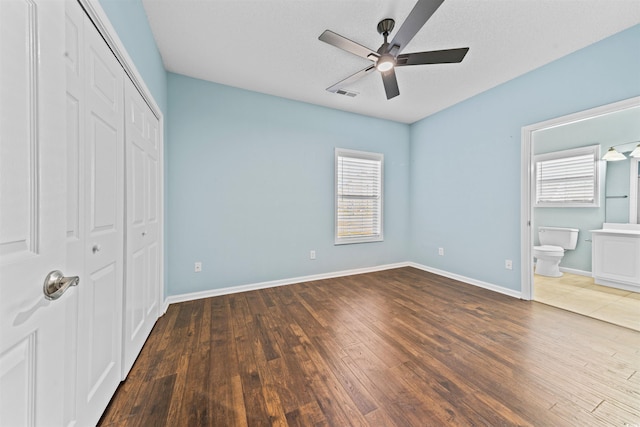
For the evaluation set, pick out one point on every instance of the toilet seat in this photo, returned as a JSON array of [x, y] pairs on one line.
[[549, 250]]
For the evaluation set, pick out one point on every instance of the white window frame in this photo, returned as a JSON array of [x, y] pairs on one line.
[[342, 240], [557, 155]]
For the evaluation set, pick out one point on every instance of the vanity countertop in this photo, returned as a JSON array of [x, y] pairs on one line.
[[615, 228]]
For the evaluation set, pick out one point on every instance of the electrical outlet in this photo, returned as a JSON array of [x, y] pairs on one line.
[[312, 254], [441, 251], [508, 264], [197, 267]]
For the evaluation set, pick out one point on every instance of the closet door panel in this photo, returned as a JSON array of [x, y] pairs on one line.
[[135, 297], [100, 302], [73, 167], [102, 145], [138, 187], [142, 218], [153, 280], [102, 288]]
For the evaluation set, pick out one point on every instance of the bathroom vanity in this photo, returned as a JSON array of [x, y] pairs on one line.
[[616, 256]]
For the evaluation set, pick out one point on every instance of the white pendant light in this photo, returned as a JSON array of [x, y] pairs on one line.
[[636, 152], [613, 156]]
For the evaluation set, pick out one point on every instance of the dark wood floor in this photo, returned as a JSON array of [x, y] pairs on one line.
[[394, 348]]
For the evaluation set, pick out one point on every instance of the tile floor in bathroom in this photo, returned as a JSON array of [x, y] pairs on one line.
[[580, 294]]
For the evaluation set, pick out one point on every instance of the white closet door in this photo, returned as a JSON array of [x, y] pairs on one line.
[[143, 249], [32, 212], [102, 183]]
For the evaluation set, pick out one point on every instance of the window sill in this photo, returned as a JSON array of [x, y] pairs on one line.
[[358, 240]]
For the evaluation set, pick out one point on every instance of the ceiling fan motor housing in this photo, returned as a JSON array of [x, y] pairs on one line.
[[386, 26]]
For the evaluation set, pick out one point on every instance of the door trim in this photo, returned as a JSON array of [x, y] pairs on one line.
[[526, 207]]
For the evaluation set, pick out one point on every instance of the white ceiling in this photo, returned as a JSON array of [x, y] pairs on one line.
[[272, 46]]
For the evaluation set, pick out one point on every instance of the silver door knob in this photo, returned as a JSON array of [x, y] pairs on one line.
[[144, 233], [96, 248], [55, 284]]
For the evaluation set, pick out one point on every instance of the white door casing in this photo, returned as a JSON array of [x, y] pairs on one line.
[[32, 212], [101, 240], [142, 222]]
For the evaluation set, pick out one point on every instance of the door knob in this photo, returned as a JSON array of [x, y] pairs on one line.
[[55, 284], [96, 248]]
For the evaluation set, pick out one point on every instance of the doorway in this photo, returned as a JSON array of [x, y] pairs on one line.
[[581, 277]]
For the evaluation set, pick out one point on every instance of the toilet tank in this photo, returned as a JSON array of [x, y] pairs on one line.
[[566, 238]]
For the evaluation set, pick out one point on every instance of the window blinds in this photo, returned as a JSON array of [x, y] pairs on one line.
[[358, 197], [567, 180]]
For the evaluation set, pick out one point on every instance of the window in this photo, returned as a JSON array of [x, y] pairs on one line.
[[568, 178], [359, 177]]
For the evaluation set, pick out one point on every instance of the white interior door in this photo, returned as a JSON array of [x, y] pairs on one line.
[[32, 212], [143, 248], [101, 183]]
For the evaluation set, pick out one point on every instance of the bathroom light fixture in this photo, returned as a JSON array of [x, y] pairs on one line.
[[636, 152], [613, 156]]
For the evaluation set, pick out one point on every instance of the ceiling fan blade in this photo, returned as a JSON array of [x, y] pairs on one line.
[[390, 83], [351, 79], [446, 56], [420, 13], [344, 43]]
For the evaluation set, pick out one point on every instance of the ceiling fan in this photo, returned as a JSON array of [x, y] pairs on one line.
[[388, 56]]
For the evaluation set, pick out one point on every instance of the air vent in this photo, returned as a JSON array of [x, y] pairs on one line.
[[347, 93]]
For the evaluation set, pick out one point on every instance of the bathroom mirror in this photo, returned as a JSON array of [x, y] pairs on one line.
[[616, 125]]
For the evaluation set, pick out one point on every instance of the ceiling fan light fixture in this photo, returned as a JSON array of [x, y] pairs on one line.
[[385, 62]]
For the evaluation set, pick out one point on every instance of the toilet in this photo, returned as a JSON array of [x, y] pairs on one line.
[[553, 242]]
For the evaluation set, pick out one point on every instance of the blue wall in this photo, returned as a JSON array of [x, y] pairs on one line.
[[252, 186], [249, 177], [465, 161]]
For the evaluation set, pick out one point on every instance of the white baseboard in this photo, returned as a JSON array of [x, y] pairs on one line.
[[468, 280], [283, 282], [574, 271], [273, 283]]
